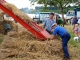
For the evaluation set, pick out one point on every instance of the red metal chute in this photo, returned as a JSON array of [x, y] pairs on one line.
[[2, 1]]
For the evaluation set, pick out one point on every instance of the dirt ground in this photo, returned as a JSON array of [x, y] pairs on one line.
[[22, 45]]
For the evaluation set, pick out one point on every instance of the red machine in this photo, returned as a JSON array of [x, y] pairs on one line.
[[31, 26], [2, 1]]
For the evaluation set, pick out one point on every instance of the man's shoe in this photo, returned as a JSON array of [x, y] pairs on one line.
[[65, 58]]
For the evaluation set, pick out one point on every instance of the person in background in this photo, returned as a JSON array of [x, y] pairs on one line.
[[76, 30], [63, 33], [75, 20], [71, 21], [47, 24], [79, 26], [7, 27]]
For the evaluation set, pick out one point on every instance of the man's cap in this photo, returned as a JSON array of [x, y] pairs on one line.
[[54, 24]]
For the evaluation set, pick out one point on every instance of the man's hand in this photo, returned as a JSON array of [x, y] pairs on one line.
[[52, 37], [48, 39], [52, 30]]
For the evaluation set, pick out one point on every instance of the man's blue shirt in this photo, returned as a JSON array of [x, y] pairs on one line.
[[48, 24], [59, 30]]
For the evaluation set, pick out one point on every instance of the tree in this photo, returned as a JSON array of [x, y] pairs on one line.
[[40, 2]]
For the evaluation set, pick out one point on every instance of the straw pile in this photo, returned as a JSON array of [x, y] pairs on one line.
[[2, 13], [1, 27], [18, 12], [13, 25], [30, 48], [23, 45]]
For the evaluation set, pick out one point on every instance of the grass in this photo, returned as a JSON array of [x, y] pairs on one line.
[[72, 43]]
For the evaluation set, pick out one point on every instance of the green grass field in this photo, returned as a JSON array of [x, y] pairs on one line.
[[72, 43]]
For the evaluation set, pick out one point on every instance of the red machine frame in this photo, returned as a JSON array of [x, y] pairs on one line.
[[31, 26]]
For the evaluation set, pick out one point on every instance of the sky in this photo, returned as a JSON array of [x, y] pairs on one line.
[[21, 3]]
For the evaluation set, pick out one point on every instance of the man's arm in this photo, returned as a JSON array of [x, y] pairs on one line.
[[44, 24], [43, 27]]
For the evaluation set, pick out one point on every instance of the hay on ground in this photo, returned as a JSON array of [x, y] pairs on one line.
[[14, 26], [24, 45], [2, 13], [31, 49]]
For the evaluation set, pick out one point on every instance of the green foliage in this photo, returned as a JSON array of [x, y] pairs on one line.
[[56, 3], [72, 42]]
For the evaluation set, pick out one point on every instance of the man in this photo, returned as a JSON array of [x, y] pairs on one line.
[[62, 32], [79, 26], [7, 27], [47, 24], [75, 20]]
